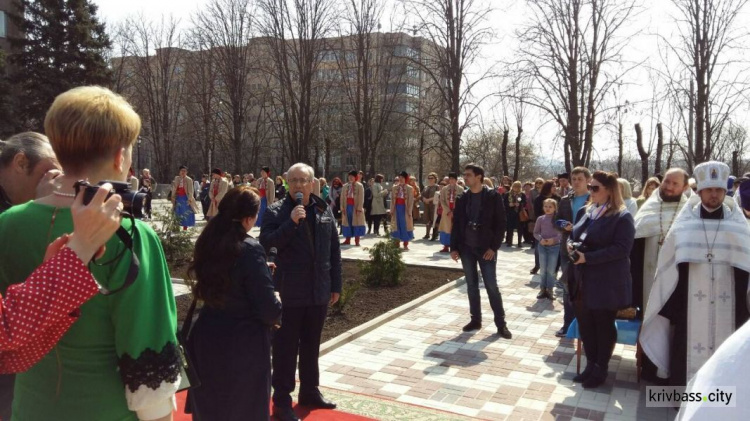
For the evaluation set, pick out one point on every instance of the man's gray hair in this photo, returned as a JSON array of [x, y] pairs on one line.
[[301, 166], [34, 145]]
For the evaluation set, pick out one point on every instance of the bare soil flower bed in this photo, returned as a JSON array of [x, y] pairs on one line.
[[368, 303]]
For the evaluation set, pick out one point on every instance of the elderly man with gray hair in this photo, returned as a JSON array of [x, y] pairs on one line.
[[302, 228], [28, 167]]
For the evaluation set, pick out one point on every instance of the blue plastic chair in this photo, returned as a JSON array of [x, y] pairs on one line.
[[627, 333]]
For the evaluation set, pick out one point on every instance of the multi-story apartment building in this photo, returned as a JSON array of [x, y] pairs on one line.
[[400, 96]]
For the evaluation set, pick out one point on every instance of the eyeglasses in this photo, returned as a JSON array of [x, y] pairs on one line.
[[594, 189], [302, 181]]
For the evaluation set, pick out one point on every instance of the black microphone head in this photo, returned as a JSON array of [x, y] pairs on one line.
[[299, 196], [273, 252]]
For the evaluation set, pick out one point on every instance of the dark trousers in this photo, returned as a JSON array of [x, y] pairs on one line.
[[470, 258], [147, 205], [7, 382], [509, 235], [376, 223], [368, 220], [300, 332], [598, 333]]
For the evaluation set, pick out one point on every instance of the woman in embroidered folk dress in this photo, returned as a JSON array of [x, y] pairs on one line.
[[352, 209], [120, 360], [230, 343], [266, 191], [448, 197], [183, 198], [402, 204], [603, 238]]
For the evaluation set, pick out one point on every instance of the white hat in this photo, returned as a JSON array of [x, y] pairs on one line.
[[711, 174]]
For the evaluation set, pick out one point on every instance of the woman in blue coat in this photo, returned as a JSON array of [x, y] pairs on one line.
[[230, 344], [600, 249]]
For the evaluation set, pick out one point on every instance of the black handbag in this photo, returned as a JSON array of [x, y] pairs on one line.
[[188, 376]]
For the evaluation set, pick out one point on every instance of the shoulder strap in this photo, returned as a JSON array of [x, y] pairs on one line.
[[184, 333]]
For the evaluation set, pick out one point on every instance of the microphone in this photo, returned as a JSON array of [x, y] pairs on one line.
[[272, 255], [298, 197]]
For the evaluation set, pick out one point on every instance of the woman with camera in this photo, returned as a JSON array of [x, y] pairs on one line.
[[230, 344], [600, 250], [120, 360]]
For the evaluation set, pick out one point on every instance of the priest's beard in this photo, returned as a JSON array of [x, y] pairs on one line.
[[670, 199]]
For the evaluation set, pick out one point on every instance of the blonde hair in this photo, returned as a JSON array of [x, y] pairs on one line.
[[627, 192], [89, 123], [513, 186], [552, 202], [488, 183], [651, 181]]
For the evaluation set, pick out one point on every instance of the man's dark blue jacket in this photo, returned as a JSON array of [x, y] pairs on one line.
[[308, 266]]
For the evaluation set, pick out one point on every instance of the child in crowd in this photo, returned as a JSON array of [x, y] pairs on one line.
[[548, 239]]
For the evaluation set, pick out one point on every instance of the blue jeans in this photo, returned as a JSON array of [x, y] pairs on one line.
[[470, 257], [548, 264]]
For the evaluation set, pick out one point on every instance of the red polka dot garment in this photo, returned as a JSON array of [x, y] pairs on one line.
[[35, 314]]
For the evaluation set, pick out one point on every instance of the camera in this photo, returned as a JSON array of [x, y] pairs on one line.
[[474, 226], [133, 202], [577, 248]]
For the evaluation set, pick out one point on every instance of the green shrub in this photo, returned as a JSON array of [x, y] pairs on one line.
[[348, 292], [177, 245], [386, 266]]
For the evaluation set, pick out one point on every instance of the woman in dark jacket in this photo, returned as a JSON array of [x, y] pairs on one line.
[[600, 249], [514, 202], [230, 344]]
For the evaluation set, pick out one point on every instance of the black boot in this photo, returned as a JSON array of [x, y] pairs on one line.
[[597, 377], [504, 332], [473, 325], [585, 373], [284, 413], [542, 294], [315, 399]]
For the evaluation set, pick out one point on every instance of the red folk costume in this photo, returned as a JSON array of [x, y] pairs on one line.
[[35, 314]]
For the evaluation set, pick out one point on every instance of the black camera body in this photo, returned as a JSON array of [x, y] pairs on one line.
[[133, 202], [577, 248]]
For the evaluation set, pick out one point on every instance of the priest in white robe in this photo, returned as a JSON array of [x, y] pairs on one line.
[[652, 223], [700, 294]]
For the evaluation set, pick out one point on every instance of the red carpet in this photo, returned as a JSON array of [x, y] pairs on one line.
[[303, 413]]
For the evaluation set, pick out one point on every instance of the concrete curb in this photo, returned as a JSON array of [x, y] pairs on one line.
[[384, 318]]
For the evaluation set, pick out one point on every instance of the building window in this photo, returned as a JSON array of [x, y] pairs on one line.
[[412, 90], [2, 24], [404, 51], [412, 72]]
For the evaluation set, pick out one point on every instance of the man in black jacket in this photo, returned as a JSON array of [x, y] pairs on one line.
[[308, 278], [478, 231]]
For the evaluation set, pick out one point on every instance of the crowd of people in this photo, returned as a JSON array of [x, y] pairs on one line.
[[99, 337]]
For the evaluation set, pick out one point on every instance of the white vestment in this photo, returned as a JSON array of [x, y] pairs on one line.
[[710, 303]]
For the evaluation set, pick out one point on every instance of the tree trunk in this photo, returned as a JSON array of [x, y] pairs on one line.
[[642, 152], [736, 163], [421, 162], [620, 147], [517, 169], [659, 148], [504, 151]]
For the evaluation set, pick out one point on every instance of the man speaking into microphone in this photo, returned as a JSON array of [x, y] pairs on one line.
[[308, 277]]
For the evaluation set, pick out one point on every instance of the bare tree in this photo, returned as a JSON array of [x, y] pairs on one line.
[[707, 77], [157, 85], [571, 50], [369, 71], [294, 32], [455, 31], [202, 98], [225, 27]]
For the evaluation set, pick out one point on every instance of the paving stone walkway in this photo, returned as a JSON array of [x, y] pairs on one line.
[[422, 358]]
